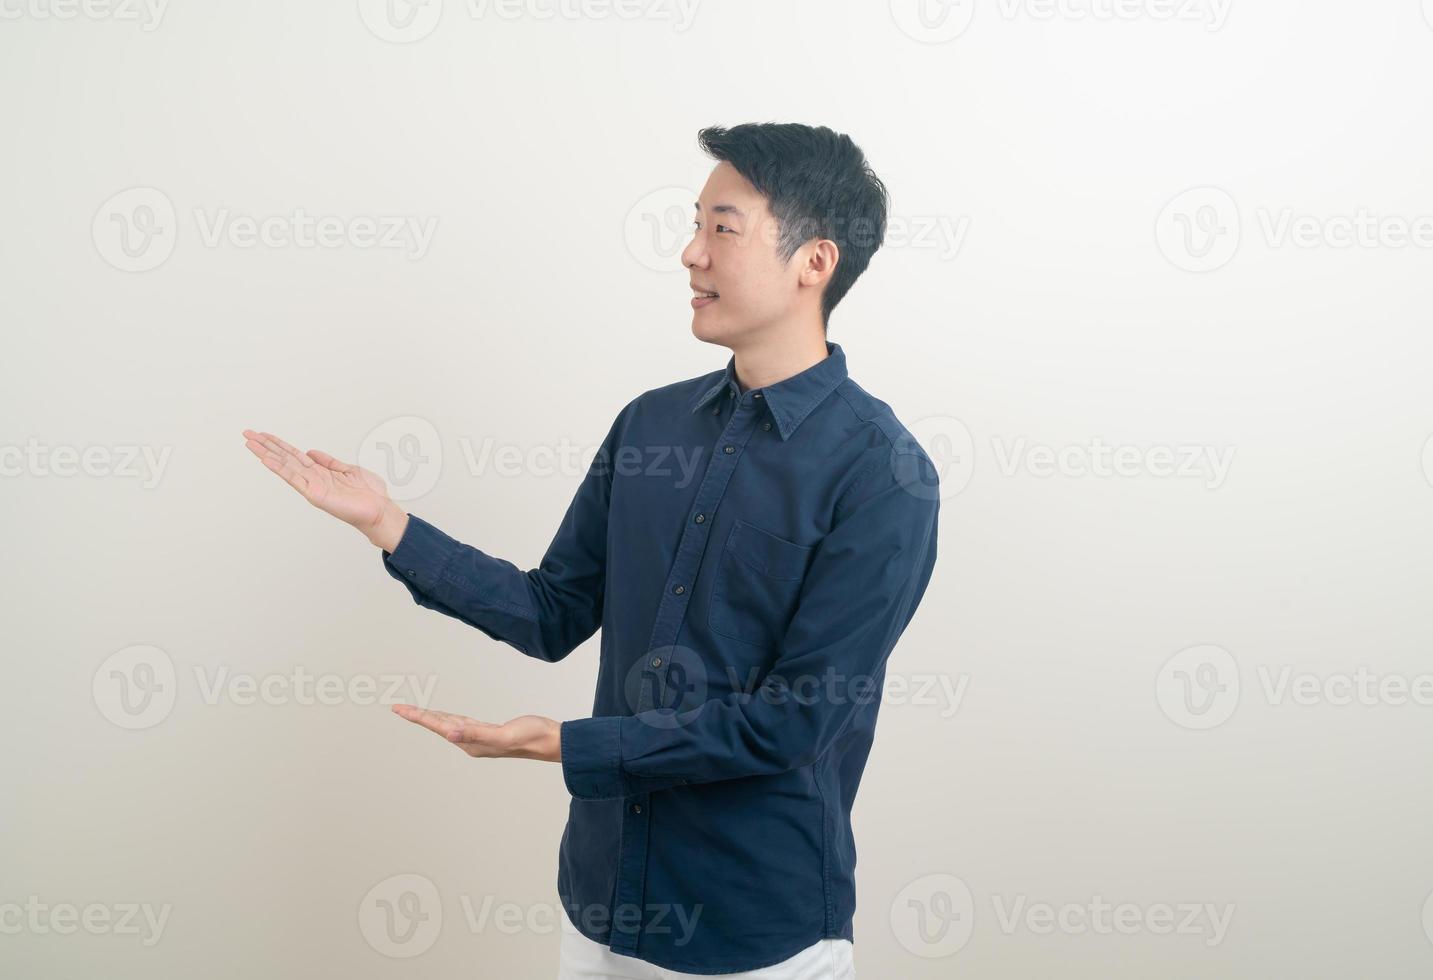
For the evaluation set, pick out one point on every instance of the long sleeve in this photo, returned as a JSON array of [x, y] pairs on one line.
[[545, 612], [865, 581]]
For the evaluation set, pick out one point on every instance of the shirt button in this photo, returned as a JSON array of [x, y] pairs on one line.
[[656, 661], [636, 808], [766, 425], [728, 449], [411, 573], [679, 589], [716, 410], [757, 395], [700, 518]]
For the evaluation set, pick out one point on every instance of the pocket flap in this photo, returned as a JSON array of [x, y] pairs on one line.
[[769, 554]]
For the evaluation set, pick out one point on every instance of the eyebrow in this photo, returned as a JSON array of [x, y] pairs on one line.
[[722, 209]]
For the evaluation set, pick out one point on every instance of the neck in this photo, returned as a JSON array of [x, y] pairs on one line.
[[767, 360]]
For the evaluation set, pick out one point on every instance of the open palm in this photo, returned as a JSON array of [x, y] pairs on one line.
[[524, 737], [351, 493]]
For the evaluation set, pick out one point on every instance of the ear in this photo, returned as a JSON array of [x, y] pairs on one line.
[[820, 263]]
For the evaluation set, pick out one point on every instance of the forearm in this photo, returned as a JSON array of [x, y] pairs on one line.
[[545, 613]]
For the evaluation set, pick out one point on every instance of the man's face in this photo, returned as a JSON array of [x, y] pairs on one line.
[[733, 253]]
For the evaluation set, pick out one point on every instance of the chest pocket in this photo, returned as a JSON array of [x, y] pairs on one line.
[[758, 583]]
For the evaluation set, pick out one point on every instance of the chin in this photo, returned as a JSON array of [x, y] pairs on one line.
[[704, 329]]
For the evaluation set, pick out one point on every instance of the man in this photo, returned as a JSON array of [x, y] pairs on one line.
[[747, 605]]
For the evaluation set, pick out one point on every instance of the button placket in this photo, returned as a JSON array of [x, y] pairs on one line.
[[671, 612], [725, 455]]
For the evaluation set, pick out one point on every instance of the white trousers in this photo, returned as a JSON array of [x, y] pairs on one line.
[[583, 959]]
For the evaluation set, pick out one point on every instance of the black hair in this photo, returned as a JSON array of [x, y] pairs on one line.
[[817, 184]]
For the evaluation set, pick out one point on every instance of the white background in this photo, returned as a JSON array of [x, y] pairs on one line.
[[1049, 286]]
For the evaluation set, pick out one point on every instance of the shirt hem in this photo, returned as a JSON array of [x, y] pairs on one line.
[[681, 966]]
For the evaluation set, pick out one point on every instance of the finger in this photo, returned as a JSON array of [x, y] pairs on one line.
[[324, 459], [435, 721], [268, 451], [308, 481], [432, 722], [253, 445], [289, 471], [414, 711], [281, 450], [300, 457]]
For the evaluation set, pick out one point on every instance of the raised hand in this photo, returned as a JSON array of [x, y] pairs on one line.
[[349, 492]]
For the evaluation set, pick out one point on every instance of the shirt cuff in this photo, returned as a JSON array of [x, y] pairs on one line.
[[421, 554], [592, 758]]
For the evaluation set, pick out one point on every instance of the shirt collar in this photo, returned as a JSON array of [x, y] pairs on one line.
[[791, 399]]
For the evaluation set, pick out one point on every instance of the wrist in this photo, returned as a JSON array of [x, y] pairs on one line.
[[551, 747], [390, 527]]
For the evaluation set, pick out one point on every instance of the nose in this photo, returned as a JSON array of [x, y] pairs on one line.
[[694, 256]]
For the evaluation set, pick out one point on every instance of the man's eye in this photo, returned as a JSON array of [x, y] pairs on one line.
[[698, 224]]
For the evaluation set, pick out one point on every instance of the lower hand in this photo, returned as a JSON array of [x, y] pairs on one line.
[[523, 737]]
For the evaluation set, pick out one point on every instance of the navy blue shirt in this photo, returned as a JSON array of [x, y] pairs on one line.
[[751, 559]]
